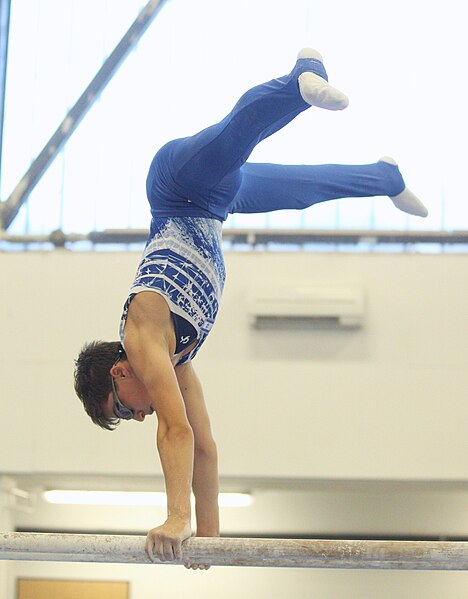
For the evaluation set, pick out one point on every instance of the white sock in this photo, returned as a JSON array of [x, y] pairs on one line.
[[315, 90], [406, 201], [310, 53]]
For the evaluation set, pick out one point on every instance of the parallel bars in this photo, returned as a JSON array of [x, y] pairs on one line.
[[276, 553]]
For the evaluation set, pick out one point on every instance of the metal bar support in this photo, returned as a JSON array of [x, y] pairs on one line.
[[254, 237]]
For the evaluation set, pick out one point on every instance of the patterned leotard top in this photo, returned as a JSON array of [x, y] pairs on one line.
[[183, 262]]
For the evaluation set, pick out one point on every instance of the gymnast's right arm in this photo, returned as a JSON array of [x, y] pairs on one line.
[[150, 360]]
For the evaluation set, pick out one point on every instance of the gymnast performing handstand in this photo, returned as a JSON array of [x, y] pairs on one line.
[[193, 184]]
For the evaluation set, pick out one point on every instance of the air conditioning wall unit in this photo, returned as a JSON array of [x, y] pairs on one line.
[[318, 305]]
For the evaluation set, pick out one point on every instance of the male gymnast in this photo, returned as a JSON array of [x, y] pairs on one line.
[[193, 184]]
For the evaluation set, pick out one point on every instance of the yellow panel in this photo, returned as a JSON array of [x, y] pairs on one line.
[[71, 589]]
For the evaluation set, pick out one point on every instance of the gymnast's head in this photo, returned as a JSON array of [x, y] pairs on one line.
[[94, 383]]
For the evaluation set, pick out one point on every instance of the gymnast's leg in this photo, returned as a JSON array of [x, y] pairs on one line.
[[222, 148], [269, 187], [204, 168]]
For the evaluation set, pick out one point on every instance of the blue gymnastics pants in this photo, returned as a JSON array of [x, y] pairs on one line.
[[208, 175]]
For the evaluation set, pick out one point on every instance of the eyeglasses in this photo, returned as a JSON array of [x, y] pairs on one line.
[[120, 410]]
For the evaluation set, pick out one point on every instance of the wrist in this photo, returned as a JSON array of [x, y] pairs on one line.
[[180, 516], [206, 532]]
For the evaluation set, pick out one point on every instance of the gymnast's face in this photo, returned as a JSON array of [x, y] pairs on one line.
[[128, 399]]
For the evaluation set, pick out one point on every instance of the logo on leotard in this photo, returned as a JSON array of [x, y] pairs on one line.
[[185, 340]]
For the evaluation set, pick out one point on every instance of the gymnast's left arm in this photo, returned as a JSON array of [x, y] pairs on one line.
[[205, 469]]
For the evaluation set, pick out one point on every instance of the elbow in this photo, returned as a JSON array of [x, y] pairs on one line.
[[206, 448], [179, 434]]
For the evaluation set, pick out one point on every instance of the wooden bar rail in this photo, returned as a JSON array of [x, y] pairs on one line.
[[274, 553]]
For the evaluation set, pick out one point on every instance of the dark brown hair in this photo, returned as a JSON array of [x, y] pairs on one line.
[[93, 381]]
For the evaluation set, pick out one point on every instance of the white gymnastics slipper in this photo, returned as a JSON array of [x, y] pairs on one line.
[[406, 200], [315, 90]]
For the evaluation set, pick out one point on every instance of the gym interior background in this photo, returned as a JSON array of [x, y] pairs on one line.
[[334, 431]]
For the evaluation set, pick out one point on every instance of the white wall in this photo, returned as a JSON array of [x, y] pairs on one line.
[[386, 402]]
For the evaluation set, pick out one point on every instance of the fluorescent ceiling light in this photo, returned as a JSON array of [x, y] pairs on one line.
[[132, 498]]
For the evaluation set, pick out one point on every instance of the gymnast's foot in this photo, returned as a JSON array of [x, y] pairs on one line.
[[314, 86], [406, 200]]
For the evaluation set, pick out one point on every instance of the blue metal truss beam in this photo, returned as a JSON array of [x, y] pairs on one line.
[[10, 207]]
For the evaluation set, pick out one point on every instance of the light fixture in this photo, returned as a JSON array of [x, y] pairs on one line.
[[132, 498]]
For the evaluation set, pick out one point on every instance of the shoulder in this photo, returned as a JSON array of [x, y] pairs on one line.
[[149, 317], [149, 306]]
